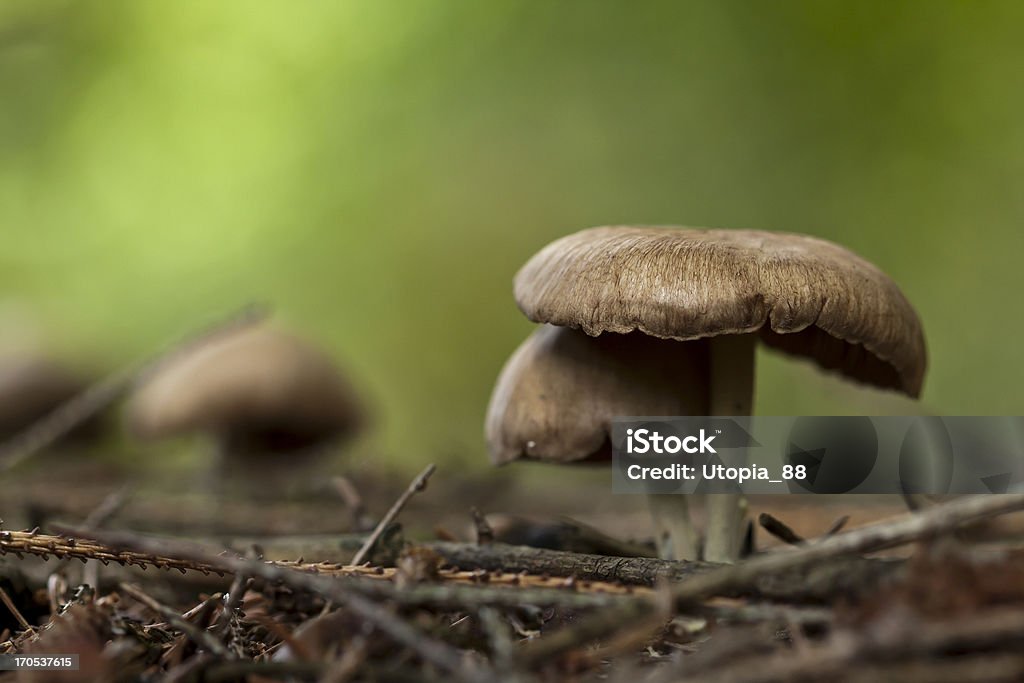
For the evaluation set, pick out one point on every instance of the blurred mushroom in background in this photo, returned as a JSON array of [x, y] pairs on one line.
[[269, 401], [34, 381], [665, 321], [31, 387]]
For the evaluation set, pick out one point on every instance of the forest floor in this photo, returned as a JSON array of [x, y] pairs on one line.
[[446, 590]]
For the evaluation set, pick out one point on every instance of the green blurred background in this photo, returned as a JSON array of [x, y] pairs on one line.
[[379, 170]]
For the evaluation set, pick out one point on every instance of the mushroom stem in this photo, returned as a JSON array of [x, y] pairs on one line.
[[732, 393], [674, 532], [217, 475]]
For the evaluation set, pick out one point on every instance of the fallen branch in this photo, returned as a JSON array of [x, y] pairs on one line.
[[817, 584], [640, 571], [180, 556], [495, 563], [21, 543]]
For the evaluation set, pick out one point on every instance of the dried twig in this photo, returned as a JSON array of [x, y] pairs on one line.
[[482, 530], [779, 529], [604, 623], [782, 531], [199, 636], [108, 507], [417, 485], [26, 542], [9, 604], [837, 526], [74, 412], [349, 494], [497, 629], [740, 611], [346, 666], [234, 599]]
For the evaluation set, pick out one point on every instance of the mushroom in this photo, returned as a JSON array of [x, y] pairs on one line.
[[665, 321], [31, 387], [559, 391], [259, 393]]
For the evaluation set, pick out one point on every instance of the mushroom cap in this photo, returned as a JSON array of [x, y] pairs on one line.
[[30, 388], [803, 295], [557, 394], [259, 386]]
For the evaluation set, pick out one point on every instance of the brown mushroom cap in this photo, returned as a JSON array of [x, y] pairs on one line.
[[260, 386], [803, 295], [557, 394], [30, 388]]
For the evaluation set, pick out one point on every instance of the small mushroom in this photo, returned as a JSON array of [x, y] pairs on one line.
[[668, 322], [557, 395], [259, 393], [559, 391]]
